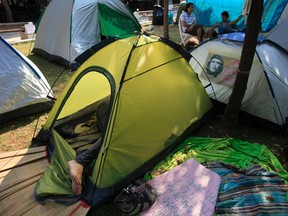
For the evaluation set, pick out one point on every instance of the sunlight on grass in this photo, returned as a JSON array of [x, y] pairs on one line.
[[18, 134]]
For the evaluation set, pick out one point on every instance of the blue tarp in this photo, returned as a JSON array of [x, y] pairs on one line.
[[238, 36], [208, 12]]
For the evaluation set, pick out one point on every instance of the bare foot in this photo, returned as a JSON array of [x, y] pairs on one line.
[[76, 171]]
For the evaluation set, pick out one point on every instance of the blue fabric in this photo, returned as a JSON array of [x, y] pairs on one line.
[[238, 36], [208, 12]]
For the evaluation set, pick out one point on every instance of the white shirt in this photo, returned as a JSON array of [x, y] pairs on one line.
[[188, 19]]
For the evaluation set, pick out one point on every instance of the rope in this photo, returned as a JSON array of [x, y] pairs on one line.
[[243, 72]]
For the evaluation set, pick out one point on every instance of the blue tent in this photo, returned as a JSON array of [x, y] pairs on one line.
[[208, 12]]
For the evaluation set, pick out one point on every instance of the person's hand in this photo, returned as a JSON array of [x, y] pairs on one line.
[[190, 27]]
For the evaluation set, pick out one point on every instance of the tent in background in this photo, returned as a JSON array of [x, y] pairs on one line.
[[142, 105], [266, 96], [208, 12], [68, 28], [24, 89], [279, 34]]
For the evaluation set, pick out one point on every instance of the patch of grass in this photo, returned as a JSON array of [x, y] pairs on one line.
[[17, 134]]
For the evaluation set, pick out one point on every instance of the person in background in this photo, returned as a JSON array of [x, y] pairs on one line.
[[189, 23], [224, 27]]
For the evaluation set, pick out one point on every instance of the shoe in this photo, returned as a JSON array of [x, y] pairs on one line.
[[135, 199]]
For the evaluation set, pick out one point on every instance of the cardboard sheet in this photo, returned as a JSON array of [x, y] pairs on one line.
[[186, 190]]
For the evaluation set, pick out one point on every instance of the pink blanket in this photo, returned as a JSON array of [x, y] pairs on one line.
[[188, 189]]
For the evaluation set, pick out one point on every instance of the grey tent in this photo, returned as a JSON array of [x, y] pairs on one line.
[[266, 96], [23, 87], [279, 34]]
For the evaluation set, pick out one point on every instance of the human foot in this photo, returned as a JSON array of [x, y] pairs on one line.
[[76, 171]]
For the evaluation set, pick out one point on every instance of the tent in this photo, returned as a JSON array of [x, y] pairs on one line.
[[279, 34], [208, 12], [267, 88], [68, 28], [24, 89], [154, 102]]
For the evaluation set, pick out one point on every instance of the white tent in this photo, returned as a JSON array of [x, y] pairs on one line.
[[68, 28], [23, 87], [266, 95]]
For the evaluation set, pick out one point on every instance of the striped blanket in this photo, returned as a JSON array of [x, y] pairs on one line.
[[251, 191]]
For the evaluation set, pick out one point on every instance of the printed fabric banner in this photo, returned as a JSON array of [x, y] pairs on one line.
[[186, 190], [221, 69]]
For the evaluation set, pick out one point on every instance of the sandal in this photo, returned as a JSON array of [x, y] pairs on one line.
[[135, 199]]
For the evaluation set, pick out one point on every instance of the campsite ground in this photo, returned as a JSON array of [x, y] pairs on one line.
[[17, 134]]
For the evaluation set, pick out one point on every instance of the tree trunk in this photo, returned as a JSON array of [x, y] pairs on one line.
[[230, 117], [8, 13], [165, 20]]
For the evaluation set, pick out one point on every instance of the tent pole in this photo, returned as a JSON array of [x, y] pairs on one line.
[[165, 20], [230, 117]]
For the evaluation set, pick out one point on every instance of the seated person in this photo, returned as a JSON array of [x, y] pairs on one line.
[[224, 27], [189, 23]]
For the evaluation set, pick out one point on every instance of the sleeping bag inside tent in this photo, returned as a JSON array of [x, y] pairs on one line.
[[68, 28], [266, 95], [138, 97], [24, 89]]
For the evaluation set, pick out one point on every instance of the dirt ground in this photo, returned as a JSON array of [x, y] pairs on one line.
[[277, 142]]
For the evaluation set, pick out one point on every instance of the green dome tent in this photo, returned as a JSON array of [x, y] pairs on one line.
[[68, 28], [155, 101]]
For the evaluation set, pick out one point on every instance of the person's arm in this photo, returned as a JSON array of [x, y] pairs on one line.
[[236, 20], [215, 26], [185, 24], [182, 20], [190, 27]]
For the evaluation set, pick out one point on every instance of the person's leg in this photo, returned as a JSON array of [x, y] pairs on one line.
[[76, 171], [200, 34], [210, 32], [76, 166], [197, 31]]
